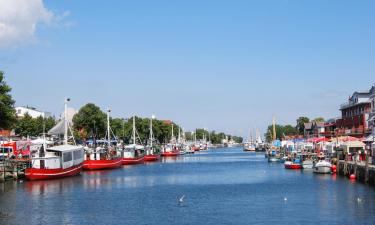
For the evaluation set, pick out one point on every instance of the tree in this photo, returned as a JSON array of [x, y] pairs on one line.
[[28, 126], [319, 120], [92, 120], [7, 112], [290, 130], [280, 132], [301, 124]]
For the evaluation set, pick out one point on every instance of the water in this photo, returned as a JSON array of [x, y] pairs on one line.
[[221, 187]]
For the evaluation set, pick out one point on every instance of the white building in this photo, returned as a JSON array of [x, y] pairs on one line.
[[33, 112]]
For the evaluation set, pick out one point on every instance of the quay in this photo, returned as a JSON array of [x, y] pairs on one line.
[[364, 173]]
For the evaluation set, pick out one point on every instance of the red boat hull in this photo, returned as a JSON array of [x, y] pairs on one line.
[[133, 161], [293, 166], [102, 164], [152, 158], [47, 174], [170, 154]]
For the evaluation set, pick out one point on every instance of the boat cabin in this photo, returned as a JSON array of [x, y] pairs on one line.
[[59, 157], [132, 151], [5, 152]]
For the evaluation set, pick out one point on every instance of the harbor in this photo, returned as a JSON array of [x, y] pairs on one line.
[[224, 186]]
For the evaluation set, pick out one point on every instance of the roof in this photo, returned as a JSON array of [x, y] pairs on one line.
[[64, 148], [354, 144]]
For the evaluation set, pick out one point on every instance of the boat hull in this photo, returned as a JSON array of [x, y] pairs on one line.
[[169, 154], [152, 158], [293, 166], [102, 164], [133, 161], [48, 174], [273, 159], [322, 169]]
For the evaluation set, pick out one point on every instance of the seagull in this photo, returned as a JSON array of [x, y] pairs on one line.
[[285, 199], [359, 200], [181, 200]]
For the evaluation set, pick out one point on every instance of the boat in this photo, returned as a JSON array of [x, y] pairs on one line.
[[102, 158], [58, 161], [322, 166], [293, 165], [170, 150], [307, 164], [133, 154], [151, 155]]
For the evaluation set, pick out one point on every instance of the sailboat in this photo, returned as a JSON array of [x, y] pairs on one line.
[[57, 161], [101, 158], [133, 153], [151, 155], [170, 150]]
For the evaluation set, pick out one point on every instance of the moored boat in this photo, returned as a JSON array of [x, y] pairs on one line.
[[293, 165], [58, 161], [102, 158], [323, 167]]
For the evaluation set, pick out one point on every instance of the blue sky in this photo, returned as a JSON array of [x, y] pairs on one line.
[[224, 65]]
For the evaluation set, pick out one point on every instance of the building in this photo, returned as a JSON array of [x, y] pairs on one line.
[[33, 112], [314, 129], [371, 120], [355, 115]]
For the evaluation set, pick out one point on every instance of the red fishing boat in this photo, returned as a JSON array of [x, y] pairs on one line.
[[56, 162], [102, 158], [102, 164], [170, 154], [152, 157], [292, 165], [133, 160]]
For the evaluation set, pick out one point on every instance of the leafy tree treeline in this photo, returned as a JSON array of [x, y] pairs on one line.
[[7, 112], [289, 130]]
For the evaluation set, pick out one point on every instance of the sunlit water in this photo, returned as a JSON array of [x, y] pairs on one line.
[[224, 186]]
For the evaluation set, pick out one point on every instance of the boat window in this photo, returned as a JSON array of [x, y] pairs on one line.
[[5, 150], [78, 154], [67, 156]]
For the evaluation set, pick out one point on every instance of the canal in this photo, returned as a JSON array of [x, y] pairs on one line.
[[223, 186]]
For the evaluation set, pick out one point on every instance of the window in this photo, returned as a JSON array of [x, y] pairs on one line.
[[67, 156], [78, 154]]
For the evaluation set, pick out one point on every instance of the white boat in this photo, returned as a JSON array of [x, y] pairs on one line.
[[308, 164], [322, 167]]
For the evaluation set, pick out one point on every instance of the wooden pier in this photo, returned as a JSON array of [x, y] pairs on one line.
[[12, 169], [363, 172]]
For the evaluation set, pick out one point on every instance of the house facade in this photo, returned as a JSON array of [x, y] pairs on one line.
[[21, 111], [355, 115]]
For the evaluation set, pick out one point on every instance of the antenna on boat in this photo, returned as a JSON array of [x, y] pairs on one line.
[[66, 121], [151, 132]]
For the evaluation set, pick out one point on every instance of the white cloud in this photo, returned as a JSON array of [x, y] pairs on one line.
[[19, 20]]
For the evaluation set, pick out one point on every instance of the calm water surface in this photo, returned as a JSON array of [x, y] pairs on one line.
[[224, 186]]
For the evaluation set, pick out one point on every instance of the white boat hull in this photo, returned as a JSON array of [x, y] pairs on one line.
[[322, 169]]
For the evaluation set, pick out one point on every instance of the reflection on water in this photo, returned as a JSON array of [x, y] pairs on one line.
[[221, 187]]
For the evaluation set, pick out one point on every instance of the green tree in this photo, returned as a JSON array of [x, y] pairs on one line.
[[91, 120], [280, 132], [290, 130], [7, 112], [26, 126], [319, 120], [301, 124]]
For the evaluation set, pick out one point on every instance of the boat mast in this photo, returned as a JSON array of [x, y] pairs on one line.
[[66, 120], [151, 132], [274, 128], [172, 134], [108, 128], [134, 138], [179, 134]]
